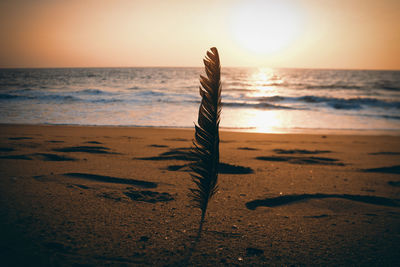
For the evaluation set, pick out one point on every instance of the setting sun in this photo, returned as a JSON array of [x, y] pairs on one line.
[[265, 27]]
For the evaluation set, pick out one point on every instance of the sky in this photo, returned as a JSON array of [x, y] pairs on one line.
[[333, 34]]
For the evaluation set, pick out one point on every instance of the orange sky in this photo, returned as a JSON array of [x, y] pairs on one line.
[[349, 34]]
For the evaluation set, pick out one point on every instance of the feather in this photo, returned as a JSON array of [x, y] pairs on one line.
[[206, 142]]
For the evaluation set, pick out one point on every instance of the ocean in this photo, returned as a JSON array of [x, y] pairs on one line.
[[254, 99]]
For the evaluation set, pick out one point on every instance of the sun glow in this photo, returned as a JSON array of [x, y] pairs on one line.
[[265, 27]]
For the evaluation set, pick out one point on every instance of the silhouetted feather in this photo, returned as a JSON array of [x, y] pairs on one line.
[[206, 142]]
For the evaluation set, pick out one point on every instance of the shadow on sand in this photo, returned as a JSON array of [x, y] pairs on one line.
[[300, 151], [303, 160], [41, 156], [182, 153], [391, 169], [109, 179], [185, 154], [149, 196], [386, 153], [23, 157], [394, 183], [224, 168], [289, 199], [54, 157], [86, 149], [6, 149], [20, 138]]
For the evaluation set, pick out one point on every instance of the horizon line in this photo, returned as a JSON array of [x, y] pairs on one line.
[[161, 66]]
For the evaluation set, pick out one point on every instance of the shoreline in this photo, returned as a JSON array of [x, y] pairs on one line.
[[306, 131], [101, 196]]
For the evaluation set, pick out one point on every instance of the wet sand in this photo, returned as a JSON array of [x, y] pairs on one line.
[[96, 196]]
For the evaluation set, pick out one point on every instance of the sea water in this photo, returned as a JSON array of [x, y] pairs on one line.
[[254, 99]]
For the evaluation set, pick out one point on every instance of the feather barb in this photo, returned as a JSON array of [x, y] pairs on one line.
[[206, 142]]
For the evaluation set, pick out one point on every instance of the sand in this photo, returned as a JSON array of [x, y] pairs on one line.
[[117, 196]]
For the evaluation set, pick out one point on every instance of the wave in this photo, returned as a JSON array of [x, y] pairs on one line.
[[92, 92], [332, 86], [295, 85], [56, 98], [383, 116], [151, 93], [7, 96], [275, 98], [254, 105], [336, 103], [387, 85], [390, 117], [391, 88], [133, 88], [291, 85], [350, 103], [18, 91], [112, 100], [148, 96], [43, 97]]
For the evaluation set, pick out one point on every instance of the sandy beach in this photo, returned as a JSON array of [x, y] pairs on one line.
[[117, 196]]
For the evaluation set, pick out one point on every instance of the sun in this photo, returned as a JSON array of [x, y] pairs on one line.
[[265, 27]]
